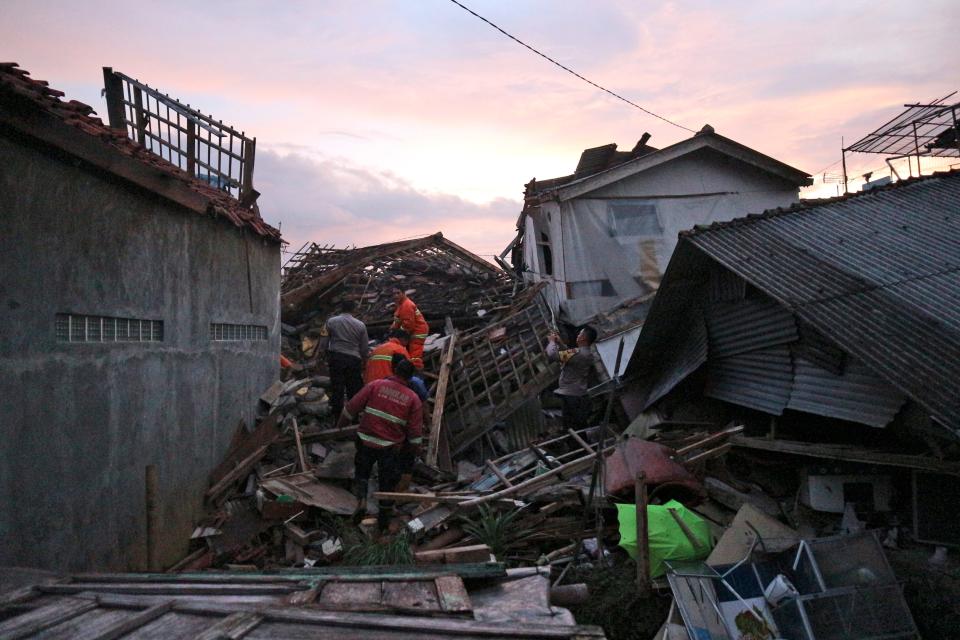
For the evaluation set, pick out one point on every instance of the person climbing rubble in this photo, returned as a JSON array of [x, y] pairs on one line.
[[577, 365], [380, 364], [407, 316], [389, 434], [345, 341]]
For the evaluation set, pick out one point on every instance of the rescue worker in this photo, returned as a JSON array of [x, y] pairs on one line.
[[346, 343], [577, 365], [389, 435], [408, 317], [380, 364]]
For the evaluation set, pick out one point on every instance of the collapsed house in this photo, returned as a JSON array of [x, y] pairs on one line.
[[830, 328], [139, 306], [603, 236], [497, 327]]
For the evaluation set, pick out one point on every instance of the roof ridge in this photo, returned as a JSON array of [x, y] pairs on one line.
[[813, 203]]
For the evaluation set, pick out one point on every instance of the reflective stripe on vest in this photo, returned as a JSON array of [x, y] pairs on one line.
[[385, 358], [384, 415], [375, 440], [421, 336]]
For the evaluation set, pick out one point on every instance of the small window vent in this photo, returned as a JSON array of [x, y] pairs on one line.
[[76, 328], [220, 332]]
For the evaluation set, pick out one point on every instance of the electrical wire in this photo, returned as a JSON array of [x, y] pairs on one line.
[[571, 71]]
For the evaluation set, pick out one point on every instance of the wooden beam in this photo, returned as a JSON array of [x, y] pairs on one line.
[[134, 622], [300, 456], [245, 467], [441, 397], [571, 468], [496, 471], [849, 453], [710, 439], [643, 545], [36, 620], [233, 627]]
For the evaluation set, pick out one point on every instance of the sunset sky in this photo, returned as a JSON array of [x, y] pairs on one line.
[[380, 120]]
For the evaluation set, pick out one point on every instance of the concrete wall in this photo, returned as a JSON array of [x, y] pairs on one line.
[[81, 421]]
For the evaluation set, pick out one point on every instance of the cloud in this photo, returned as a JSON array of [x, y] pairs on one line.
[[332, 201]]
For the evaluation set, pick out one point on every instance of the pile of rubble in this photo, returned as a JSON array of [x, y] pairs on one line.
[[686, 501]]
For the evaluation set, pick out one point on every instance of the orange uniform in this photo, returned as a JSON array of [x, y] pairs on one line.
[[380, 364], [409, 318]]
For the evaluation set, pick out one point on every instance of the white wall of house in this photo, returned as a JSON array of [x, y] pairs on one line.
[[613, 244]]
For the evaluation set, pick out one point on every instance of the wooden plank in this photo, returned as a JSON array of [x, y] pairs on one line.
[[470, 553], [335, 594], [496, 471], [569, 468], [234, 627], [317, 493], [443, 382], [407, 572], [580, 441], [716, 452], [300, 456], [216, 492], [123, 627], [686, 530], [850, 453], [36, 620], [452, 594], [143, 588], [413, 596], [370, 624], [643, 543], [709, 440]]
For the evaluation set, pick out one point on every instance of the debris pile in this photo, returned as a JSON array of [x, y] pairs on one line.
[[691, 503]]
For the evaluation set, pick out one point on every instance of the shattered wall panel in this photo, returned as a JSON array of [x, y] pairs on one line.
[[682, 361], [760, 379], [858, 395], [748, 325]]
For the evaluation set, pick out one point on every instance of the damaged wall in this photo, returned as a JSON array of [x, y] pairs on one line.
[[82, 420], [614, 243]]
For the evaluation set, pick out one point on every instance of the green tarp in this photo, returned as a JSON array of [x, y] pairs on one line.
[[667, 540]]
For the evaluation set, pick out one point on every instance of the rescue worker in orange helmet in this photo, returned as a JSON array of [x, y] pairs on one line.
[[408, 317], [380, 363]]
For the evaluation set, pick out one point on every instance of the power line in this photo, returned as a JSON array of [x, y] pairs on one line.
[[571, 71]]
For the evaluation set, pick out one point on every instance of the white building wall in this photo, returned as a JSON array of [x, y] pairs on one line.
[[603, 266]]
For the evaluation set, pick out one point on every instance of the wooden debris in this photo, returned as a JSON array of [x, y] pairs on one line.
[[471, 553]]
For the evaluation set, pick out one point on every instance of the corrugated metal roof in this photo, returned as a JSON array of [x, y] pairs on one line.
[[748, 325], [876, 273], [760, 379], [857, 395], [682, 361]]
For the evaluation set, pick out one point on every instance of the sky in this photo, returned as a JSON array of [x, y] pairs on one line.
[[383, 120]]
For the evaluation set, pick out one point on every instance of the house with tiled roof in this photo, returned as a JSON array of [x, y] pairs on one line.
[[140, 323], [603, 235]]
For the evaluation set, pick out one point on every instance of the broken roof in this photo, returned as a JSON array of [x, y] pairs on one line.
[[604, 165], [877, 273], [428, 263], [32, 108]]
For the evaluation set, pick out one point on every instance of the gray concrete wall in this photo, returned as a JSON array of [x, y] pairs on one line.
[[81, 421]]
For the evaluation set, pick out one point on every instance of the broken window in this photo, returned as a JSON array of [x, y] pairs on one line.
[[70, 327], [546, 253], [222, 332], [633, 219]]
